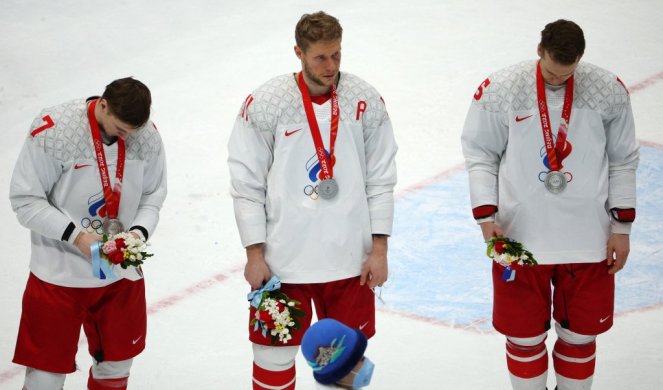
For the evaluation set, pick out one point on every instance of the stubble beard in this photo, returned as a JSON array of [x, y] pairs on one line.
[[313, 78]]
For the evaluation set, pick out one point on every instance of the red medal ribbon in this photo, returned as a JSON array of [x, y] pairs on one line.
[[558, 150], [325, 161], [111, 196]]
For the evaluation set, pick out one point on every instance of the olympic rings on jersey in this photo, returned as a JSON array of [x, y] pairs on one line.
[[311, 192], [92, 225]]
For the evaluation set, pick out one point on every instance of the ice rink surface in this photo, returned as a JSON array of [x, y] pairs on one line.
[[202, 58]]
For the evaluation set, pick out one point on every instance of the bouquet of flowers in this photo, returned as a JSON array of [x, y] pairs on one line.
[[275, 313], [510, 254], [124, 249]]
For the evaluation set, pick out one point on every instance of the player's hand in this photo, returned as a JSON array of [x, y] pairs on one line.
[[375, 270], [256, 271], [618, 249], [84, 241], [490, 230]]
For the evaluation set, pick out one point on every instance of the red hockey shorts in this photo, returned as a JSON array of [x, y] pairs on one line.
[[114, 319], [343, 300], [583, 299]]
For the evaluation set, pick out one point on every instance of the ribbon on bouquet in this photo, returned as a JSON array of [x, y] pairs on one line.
[[100, 268], [255, 296]]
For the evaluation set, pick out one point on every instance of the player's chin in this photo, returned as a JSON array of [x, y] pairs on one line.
[[330, 79]]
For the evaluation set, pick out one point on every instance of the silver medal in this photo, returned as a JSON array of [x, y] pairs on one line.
[[112, 226], [555, 182], [328, 188]]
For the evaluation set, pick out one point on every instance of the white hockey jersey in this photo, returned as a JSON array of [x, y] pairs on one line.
[[275, 172], [504, 150], [56, 182]]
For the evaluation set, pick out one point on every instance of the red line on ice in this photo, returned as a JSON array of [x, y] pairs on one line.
[[644, 84]]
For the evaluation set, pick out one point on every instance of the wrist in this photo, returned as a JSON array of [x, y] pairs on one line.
[[254, 252], [380, 244], [76, 237]]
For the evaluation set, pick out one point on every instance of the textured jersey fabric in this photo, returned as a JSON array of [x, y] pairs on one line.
[[506, 159], [275, 171]]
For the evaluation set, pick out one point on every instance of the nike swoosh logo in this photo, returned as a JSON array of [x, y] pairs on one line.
[[363, 325], [136, 340], [289, 133], [79, 166], [519, 119], [602, 320]]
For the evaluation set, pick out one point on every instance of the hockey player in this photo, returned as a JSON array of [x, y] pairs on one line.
[[86, 165], [567, 195], [311, 160]]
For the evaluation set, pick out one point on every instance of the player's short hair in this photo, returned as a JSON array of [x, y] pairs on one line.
[[129, 100], [564, 41], [316, 27]]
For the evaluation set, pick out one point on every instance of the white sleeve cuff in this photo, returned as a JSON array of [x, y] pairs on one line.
[[617, 227], [490, 218]]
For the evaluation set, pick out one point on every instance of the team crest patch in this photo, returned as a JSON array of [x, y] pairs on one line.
[[327, 354]]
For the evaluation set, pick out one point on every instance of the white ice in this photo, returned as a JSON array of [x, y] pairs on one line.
[[201, 59]]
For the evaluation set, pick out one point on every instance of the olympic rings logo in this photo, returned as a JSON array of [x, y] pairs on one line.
[[92, 225], [311, 191]]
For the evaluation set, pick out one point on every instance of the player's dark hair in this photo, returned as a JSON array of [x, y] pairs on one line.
[[317, 27], [129, 100], [564, 41]]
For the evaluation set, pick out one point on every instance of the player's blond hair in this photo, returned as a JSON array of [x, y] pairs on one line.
[[316, 27]]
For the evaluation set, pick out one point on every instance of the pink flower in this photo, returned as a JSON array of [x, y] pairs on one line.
[[109, 247]]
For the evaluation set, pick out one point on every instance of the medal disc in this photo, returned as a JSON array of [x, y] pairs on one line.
[[112, 226], [555, 182], [328, 188]]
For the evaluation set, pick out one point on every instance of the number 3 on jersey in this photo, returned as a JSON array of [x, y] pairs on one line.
[[479, 92], [49, 123]]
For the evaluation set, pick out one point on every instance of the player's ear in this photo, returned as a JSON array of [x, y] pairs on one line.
[[539, 51], [298, 52], [103, 103]]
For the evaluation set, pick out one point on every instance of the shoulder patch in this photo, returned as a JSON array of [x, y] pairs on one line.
[[276, 102], [62, 131], [509, 89], [479, 92], [360, 101], [48, 123]]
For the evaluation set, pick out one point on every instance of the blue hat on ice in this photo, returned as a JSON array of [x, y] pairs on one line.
[[332, 349]]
